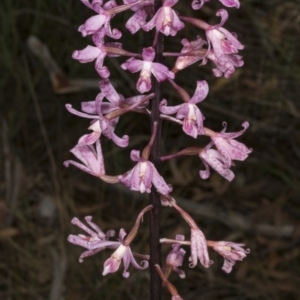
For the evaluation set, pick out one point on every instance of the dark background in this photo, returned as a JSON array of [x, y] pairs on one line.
[[39, 196]]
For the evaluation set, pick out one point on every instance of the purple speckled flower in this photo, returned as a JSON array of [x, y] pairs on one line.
[[222, 41], [141, 177], [229, 148], [231, 252], [197, 4], [147, 66], [175, 257], [165, 20], [226, 65], [189, 112], [212, 158], [91, 158], [95, 241], [141, 11]]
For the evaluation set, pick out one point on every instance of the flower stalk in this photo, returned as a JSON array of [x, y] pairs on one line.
[[154, 197]]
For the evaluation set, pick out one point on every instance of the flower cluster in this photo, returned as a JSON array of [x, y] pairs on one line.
[[221, 47]]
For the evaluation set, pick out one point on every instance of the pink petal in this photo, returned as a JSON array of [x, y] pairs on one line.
[[231, 3], [136, 22], [88, 54], [161, 72], [160, 183], [200, 93], [133, 65], [169, 110]]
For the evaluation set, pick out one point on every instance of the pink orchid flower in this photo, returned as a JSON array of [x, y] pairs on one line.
[[189, 112], [165, 20], [141, 177], [147, 66]]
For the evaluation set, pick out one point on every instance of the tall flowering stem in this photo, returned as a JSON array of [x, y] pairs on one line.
[[154, 197], [222, 48]]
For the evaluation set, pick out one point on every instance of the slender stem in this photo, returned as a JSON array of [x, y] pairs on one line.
[[154, 198]]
